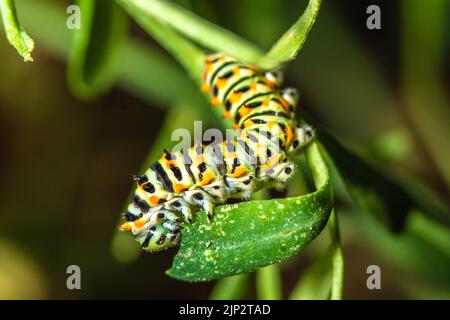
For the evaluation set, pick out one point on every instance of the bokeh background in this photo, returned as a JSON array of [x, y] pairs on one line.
[[66, 164]]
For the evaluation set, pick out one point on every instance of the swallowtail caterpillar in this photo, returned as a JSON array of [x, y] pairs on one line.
[[199, 178]]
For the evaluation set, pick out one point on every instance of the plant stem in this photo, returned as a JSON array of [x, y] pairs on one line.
[[15, 33], [337, 279], [188, 54], [268, 283], [198, 29], [288, 46], [231, 288], [424, 29]]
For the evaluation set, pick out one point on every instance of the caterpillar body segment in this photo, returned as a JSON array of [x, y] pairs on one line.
[[180, 183]]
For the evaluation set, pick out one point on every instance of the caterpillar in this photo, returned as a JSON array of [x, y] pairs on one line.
[[198, 178]]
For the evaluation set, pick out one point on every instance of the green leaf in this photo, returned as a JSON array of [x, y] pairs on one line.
[[15, 33], [288, 46], [188, 54], [231, 288], [337, 259], [200, 30], [250, 235], [96, 48]]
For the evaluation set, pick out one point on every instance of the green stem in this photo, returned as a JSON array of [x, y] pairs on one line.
[[337, 279], [188, 54], [288, 46], [424, 30], [231, 288], [268, 283], [15, 33], [198, 29]]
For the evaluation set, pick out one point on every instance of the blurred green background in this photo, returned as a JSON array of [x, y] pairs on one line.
[[66, 165]]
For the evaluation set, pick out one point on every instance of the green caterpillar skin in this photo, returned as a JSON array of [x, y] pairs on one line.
[[200, 177]]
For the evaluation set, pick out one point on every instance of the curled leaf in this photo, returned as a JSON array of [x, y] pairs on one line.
[[288, 46], [250, 235], [192, 26]]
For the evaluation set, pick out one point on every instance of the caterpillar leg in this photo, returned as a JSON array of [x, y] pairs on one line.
[[243, 187], [279, 172], [304, 134], [181, 205], [201, 199]]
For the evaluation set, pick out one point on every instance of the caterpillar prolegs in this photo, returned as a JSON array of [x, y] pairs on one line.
[[202, 176]]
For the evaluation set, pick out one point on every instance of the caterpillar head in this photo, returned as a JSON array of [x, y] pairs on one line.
[[304, 134], [157, 237], [155, 231]]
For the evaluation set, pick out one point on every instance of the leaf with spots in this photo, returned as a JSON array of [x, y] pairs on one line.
[[250, 235]]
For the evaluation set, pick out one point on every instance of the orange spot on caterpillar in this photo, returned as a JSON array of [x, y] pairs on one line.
[[239, 172], [270, 84], [205, 87], [271, 124], [221, 83], [289, 135], [244, 111], [235, 97], [208, 69], [227, 114], [248, 123], [207, 178], [154, 200], [266, 103], [285, 104], [236, 71], [271, 163], [254, 86], [215, 101], [125, 227], [235, 126], [166, 163], [139, 223], [178, 187]]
